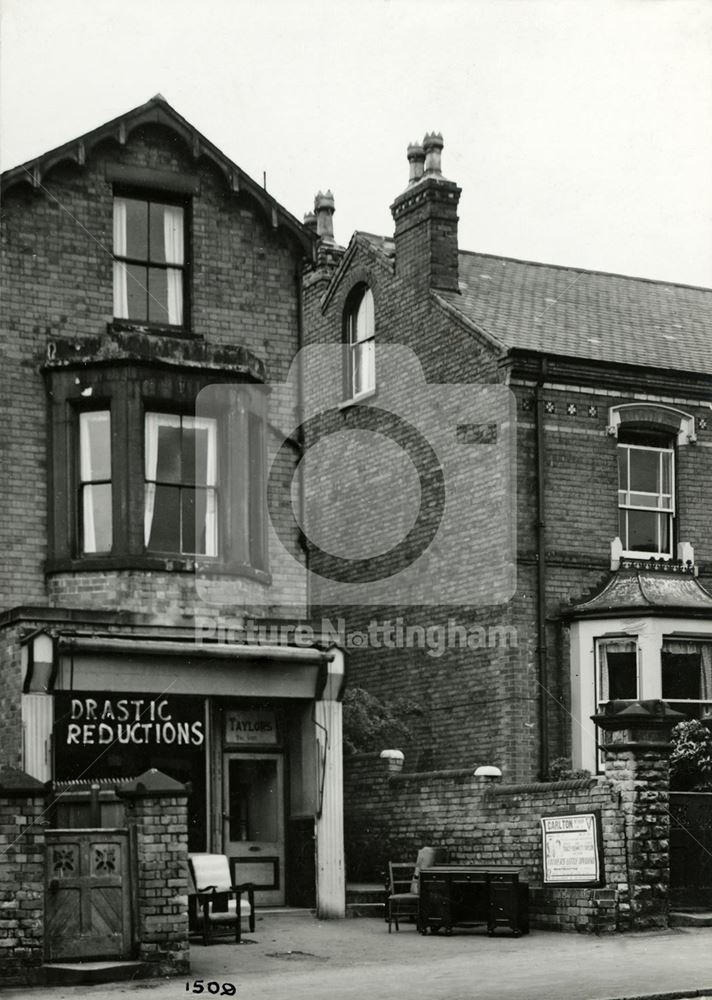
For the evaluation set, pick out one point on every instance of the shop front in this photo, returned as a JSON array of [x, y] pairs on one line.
[[255, 731]]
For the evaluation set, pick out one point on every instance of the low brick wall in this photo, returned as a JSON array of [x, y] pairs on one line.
[[156, 815], [389, 816], [22, 825]]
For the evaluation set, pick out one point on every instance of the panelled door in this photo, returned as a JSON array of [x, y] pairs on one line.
[[87, 895], [253, 822]]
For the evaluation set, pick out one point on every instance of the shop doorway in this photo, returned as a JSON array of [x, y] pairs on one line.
[[253, 822]]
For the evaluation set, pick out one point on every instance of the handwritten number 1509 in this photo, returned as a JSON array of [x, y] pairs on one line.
[[212, 987]]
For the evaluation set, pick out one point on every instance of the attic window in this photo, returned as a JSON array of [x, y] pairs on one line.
[[149, 261]]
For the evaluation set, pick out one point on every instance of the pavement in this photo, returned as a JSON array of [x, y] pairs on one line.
[[294, 956]]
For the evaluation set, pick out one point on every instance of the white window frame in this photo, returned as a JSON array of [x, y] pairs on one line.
[[361, 346], [649, 633], [657, 503], [174, 266], [705, 704], [88, 481], [599, 701], [153, 420], [605, 643]]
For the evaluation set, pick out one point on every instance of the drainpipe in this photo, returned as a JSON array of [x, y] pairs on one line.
[[299, 282], [541, 573]]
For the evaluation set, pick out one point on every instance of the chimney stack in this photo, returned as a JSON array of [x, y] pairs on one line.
[[425, 217], [324, 211]]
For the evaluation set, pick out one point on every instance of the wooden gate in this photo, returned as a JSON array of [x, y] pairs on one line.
[[691, 849], [87, 895]]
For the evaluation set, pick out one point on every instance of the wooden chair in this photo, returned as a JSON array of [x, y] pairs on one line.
[[404, 884], [215, 902]]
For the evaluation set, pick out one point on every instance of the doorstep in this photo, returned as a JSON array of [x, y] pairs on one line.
[[365, 899], [690, 918], [88, 973]]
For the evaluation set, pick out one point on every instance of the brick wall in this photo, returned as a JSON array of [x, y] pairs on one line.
[[57, 270], [157, 819], [390, 816], [467, 695], [22, 803], [10, 698]]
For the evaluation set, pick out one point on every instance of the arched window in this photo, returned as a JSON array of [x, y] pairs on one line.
[[360, 345]]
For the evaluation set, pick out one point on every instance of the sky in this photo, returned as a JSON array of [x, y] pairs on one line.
[[580, 131]]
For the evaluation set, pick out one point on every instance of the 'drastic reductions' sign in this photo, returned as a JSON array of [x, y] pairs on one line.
[[106, 719], [572, 849]]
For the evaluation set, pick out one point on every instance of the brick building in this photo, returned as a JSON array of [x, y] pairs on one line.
[[151, 290], [580, 562]]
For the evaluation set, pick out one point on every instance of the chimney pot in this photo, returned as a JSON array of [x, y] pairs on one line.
[[324, 210], [416, 159], [310, 221], [433, 146]]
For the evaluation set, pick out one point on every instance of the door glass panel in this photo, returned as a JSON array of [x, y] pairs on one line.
[[253, 806]]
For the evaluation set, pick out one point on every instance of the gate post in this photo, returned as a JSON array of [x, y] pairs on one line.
[[157, 817], [22, 826], [637, 749]]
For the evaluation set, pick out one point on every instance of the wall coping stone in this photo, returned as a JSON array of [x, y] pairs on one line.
[[458, 772], [544, 786], [152, 784], [17, 784]]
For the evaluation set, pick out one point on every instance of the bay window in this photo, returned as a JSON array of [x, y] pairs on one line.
[[156, 469], [149, 261]]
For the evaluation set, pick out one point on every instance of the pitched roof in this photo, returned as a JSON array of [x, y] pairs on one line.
[[157, 111], [581, 314]]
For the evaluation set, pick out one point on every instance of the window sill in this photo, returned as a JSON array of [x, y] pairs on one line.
[[355, 400], [156, 563], [219, 569], [154, 329]]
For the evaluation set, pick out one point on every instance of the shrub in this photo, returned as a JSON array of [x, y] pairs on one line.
[[561, 769], [372, 724], [691, 757]]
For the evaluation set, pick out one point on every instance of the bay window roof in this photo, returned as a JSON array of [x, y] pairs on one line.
[[657, 591]]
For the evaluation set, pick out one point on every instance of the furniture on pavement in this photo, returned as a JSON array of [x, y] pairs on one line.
[[467, 895], [404, 884], [214, 902]]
